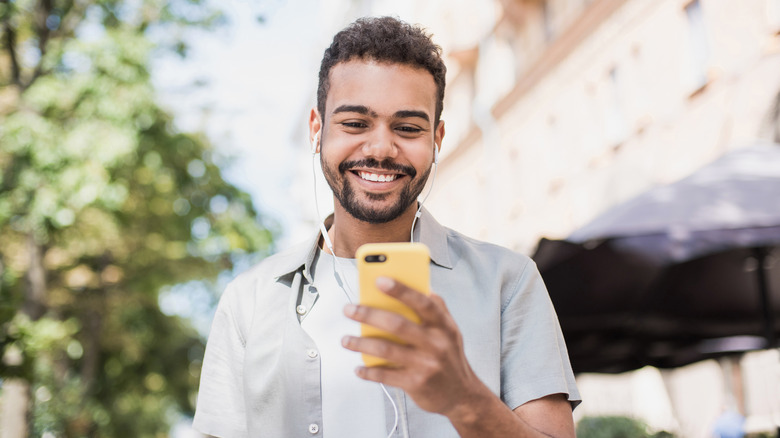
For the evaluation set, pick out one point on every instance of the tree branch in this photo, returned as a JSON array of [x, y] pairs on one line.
[[73, 14], [35, 298], [9, 38], [43, 12], [93, 323]]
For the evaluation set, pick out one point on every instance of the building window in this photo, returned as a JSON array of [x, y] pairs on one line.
[[773, 15], [697, 55], [616, 128]]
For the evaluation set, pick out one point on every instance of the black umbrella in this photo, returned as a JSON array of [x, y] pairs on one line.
[[681, 273]]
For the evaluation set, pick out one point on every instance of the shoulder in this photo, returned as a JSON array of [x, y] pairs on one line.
[[267, 271], [260, 291], [513, 273], [276, 265], [466, 248]]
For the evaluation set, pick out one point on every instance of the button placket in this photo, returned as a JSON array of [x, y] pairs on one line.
[[307, 296]]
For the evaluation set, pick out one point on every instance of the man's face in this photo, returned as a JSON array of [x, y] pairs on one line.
[[378, 137]]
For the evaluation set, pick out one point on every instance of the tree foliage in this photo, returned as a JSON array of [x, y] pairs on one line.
[[616, 427], [102, 203]]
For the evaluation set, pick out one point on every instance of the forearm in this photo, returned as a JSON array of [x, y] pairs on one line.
[[485, 415], [434, 372]]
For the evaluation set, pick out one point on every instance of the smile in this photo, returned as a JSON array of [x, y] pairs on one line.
[[376, 177]]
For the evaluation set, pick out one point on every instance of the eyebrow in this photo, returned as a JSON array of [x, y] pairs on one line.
[[403, 114], [362, 109]]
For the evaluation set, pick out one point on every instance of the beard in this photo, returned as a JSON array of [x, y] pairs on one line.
[[345, 192]]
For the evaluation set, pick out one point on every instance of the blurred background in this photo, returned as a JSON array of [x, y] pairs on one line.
[[150, 150]]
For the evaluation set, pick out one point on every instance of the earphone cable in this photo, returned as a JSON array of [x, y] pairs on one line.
[[419, 209]]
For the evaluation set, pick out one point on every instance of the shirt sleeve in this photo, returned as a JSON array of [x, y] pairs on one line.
[[534, 359], [220, 410]]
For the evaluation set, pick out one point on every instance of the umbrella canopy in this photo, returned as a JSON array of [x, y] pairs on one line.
[[678, 274], [733, 202]]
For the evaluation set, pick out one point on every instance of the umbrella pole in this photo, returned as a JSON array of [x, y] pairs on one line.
[[763, 290]]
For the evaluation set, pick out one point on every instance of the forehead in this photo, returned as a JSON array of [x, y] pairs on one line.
[[383, 87]]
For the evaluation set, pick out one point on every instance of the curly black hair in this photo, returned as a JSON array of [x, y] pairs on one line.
[[383, 39]]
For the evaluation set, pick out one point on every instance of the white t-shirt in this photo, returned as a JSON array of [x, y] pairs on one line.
[[351, 406]]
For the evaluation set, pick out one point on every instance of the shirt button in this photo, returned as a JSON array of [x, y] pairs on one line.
[[312, 353], [313, 428], [301, 309]]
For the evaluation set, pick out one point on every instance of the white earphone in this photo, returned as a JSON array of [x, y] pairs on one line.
[[315, 143]]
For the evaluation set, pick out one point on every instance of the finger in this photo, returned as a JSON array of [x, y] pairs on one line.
[[388, 321], [427, 308], [398, 354], [396, 377]]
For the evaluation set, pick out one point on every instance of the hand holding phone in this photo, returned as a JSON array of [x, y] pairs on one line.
[[407, 263]]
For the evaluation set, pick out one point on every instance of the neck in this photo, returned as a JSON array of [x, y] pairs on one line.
[[348, 233]]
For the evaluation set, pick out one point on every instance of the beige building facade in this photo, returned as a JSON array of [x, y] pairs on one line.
[[622, 95], [558, 109], [568, 107]]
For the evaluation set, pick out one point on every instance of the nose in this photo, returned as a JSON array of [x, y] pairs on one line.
[[381, 144]]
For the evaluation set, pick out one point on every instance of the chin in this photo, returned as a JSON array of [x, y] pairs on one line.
[[376, 215]]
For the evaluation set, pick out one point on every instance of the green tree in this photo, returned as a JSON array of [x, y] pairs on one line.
[[102, 203], [616, 427]]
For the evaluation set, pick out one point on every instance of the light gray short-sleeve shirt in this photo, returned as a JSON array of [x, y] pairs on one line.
[[261, 371]]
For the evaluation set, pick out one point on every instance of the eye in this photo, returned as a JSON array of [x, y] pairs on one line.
[[409, 129], [354, 125]]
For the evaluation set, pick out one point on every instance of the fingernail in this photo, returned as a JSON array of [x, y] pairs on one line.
[[345, 341], [350, 309], [384, 283]]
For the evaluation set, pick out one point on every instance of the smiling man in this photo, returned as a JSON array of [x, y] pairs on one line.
[[487, 358]]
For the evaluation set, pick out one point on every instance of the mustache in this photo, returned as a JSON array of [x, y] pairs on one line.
[[385, 164]]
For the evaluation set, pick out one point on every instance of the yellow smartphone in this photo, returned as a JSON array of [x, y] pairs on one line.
[[408, 263]]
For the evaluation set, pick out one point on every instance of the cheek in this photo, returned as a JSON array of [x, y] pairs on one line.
[[341, 148], [327, 162], [421, 156], [331, 154]]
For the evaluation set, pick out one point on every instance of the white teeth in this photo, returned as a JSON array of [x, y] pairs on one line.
[[376, 177]]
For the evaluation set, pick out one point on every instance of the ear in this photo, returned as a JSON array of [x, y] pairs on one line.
[[315, 130], [438, 136]]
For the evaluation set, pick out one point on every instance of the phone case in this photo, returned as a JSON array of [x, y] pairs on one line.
[[407, 263]]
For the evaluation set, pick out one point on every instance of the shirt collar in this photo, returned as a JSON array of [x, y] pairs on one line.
[[434, 236], [427, 231]]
